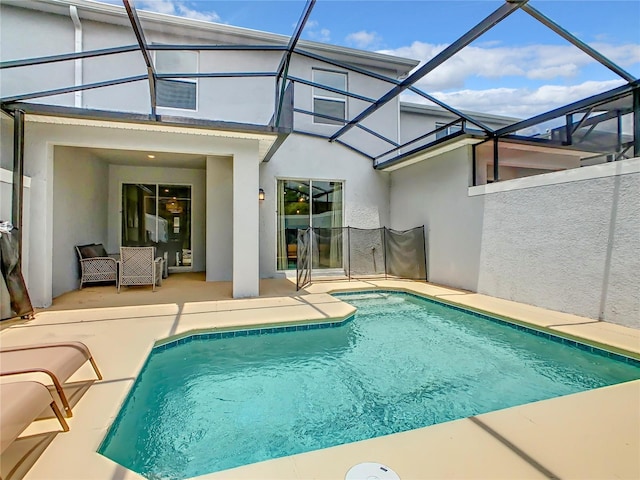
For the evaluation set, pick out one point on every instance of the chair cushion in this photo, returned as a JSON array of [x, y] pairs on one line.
[[100, 250], [92, 250]]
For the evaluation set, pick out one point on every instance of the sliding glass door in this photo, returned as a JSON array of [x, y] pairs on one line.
[[158, 215], [310, 203]]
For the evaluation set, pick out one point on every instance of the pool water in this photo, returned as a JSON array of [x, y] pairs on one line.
[[400, 364]]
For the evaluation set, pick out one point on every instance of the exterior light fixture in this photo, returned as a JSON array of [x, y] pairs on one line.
[[151, 156], [261, 194]]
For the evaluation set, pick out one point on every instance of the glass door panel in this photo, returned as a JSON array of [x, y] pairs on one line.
[[293, 213], [138, 214], [160, 216], [327, 223], [310, 203], [174, 218]]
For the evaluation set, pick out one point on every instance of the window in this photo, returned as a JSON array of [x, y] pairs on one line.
[[182, 93], [310, 203], [446, 131], [329, 103]]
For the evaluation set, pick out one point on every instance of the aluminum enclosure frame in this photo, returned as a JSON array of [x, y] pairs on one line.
[[289, 52], [281, 122]]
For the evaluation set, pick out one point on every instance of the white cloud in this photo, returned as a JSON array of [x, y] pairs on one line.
[[179, 8], [321, 35], [536, 62], [518, 102], [364, 39], [623, 55]]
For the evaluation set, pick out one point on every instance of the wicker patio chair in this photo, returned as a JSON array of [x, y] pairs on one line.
[[96, 265], [138, 266]]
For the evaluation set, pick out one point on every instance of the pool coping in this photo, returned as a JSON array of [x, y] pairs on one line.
[[98, 408]]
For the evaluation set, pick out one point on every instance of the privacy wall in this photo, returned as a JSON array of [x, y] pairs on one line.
[[568, 241], [572, 246]]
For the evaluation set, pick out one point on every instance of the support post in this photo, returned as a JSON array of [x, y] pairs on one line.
[[426, 253], [474, 166], [246, 221], [18, 178], [496, 169], [283, 68], [636, 122], [142, 42], [619, 135], [569, 129], [384, 250], [349, 251]]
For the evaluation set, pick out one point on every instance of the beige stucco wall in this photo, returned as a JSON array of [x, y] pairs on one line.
[[572, 246], [434, 193], [80, 194], [567, 241]]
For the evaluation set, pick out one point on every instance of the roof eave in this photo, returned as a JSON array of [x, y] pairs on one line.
[[91, 10]]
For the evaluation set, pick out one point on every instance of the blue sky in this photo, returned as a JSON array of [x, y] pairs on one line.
[[518, 68]]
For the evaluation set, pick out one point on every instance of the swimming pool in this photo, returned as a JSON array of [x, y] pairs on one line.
[[228, 399]]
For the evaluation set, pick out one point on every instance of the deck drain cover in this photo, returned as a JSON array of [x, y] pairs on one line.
[[371, 471]]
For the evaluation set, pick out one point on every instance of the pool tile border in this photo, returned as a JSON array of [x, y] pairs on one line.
[[512, 324], [246, 332]]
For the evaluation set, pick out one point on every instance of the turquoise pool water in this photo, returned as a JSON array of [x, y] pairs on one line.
[[400, 364]]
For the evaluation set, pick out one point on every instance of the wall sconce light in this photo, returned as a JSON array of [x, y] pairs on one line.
[[261, 194]]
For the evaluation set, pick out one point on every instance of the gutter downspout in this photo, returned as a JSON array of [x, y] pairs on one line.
[[73, 13]]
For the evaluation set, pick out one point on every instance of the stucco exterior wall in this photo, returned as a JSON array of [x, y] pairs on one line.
[[22, 36], [572, 246], [220, 221], [79, 211], [6, 141], [384, 121], [434, 193], [244, 100], [40, 140], [567, 241], [366, 191]]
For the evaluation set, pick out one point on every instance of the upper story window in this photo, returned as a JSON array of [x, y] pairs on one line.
[[183, 93], [446, 131], [329, 103]]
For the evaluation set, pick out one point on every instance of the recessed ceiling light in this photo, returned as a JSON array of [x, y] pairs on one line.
[[151, 156]]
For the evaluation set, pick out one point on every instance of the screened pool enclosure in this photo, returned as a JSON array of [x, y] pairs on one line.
[[601, 128]]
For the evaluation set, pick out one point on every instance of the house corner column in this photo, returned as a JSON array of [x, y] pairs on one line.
[[246, 222]]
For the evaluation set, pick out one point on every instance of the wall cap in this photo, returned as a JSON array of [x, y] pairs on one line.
[[604, 170]]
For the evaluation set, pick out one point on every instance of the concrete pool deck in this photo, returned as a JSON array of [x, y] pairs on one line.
[[595, 434]]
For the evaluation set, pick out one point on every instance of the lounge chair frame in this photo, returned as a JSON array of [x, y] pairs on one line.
[[20, 393], [56, 381]]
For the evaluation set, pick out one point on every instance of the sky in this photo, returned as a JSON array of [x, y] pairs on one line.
[[519, 68]]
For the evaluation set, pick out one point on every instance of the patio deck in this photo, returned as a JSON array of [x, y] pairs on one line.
[[595, 434]]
